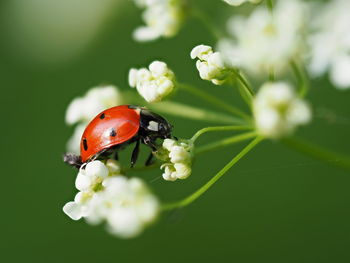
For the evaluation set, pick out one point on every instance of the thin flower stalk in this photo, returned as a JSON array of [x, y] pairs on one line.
[[188, 200], [318, 152], [213, 100]]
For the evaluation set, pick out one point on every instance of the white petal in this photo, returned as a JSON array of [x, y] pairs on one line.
[[158, 68], [96, 169], [124, 223], [75, 111], [73, 210], [182, 170], [132, 77], [200, 50], [168, 144], [83, 182], [340, 72], [143, 34], [179, 154]]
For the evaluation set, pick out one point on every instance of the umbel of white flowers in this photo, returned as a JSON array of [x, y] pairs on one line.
[[126, 205], [82, 109], [330, 42], [154, 83], [210, 64], [278, 110], [163, 18], [264, 42], [177, 157], [239, 2]]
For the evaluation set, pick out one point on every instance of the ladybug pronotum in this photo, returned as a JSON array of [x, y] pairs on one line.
[[116, 127]]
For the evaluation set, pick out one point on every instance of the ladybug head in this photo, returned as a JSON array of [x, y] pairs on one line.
[[155, 124]]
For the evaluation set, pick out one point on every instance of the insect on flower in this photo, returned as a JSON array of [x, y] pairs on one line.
[[115, 128]]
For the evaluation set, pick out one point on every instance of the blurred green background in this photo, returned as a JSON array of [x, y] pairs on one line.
[[276, 205]]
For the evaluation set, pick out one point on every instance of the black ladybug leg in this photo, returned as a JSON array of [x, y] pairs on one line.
[[135, 153], [150, 143], [149, 160]]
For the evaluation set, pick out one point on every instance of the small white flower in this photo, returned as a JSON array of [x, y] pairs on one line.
[[89, 181], [83, 109], [153, 84], [266, 41], [105, 195], [239, 2], [163, 18], [278, 110], [177, 157], [125, 204], [210, 64], [330, 43], [179, 154], [182, 170]]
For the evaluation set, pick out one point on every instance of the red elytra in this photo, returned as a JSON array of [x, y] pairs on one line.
[[109, 128]]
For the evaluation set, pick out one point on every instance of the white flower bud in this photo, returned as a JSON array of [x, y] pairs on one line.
[[278, 110], [83, 182], [96, 169], [210, 65], [162, 18], [168, 144], [182, 170], [178, 159], [201, 52], [179, 154], [153, 84]]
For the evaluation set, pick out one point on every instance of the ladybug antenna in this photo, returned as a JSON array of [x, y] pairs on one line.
[[73, 160]]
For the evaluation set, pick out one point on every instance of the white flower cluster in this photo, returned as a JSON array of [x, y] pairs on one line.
[[81, 110], [178, 156], [163, 18], [265, 41], [105, 195], [210, 64], [330, 42], [154, 83], [278, 110], [239, 2]]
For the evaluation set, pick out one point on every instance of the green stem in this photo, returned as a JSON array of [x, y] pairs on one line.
[[301, 77], [225, 142], [318, 152], [188, 200], [269, 5], [140, 168], [244, 87], [218, 128], [189, 112], [213, 100], [272, 75]]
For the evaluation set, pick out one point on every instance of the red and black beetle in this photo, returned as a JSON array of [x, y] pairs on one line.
[[116, 127]]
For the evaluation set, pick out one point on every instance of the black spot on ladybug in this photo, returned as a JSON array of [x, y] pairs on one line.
[[85, 144], [113, 133], [102, 116]]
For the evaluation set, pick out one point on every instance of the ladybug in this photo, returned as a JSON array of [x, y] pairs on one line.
[[115, 128]]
